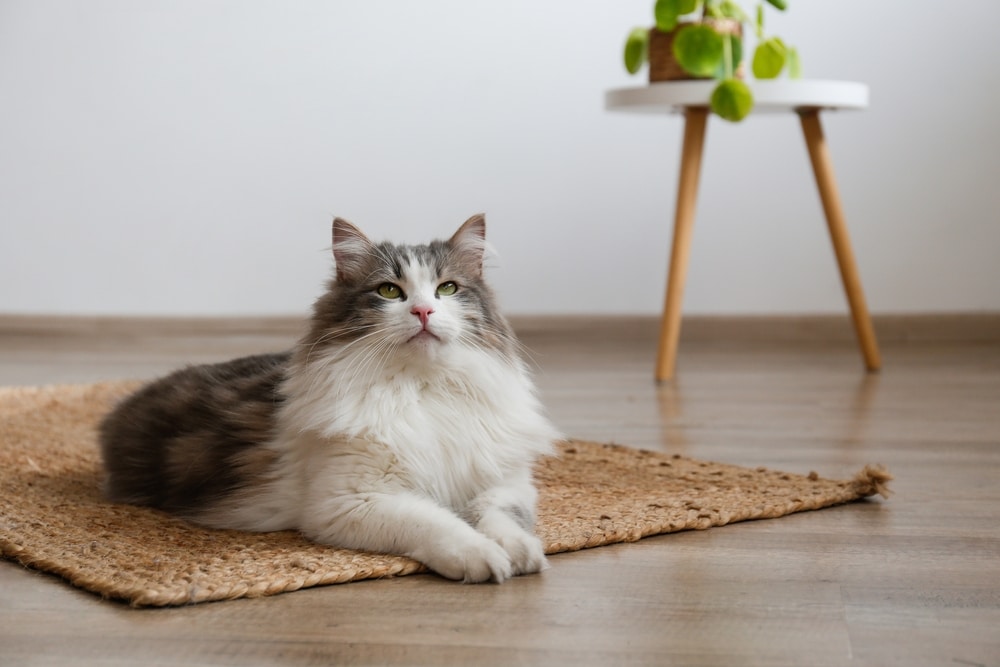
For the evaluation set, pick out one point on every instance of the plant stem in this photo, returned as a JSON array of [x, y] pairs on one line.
[[727, 55]]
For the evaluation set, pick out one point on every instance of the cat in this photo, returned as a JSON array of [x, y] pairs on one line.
[[404, 421]]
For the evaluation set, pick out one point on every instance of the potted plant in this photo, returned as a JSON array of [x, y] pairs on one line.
[[703, 39]]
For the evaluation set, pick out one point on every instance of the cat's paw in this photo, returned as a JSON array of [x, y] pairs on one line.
[[473, 562], [525, 550]]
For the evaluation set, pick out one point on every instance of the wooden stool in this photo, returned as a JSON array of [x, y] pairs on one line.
[[807, 99]]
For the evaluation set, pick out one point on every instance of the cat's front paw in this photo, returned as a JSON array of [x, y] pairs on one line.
[[473, 562], [525, 550]]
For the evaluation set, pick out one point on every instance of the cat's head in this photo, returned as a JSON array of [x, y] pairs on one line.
[[410, 300]]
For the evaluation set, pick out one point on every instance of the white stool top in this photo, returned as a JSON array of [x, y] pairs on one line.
[[772, 96]]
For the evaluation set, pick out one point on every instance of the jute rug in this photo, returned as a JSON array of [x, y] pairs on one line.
[[53, 518]]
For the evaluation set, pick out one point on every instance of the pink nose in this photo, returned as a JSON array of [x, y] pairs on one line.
[[423, 312]]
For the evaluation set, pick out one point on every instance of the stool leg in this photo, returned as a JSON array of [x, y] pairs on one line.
[[695, 119], [822, 166]]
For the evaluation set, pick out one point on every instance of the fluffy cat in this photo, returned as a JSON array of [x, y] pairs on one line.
[[404, 421]]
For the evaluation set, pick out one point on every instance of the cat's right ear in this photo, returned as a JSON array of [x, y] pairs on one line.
[[351, 248], [470, 242]]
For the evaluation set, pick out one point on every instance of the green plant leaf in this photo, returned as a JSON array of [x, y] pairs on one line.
[[779, 4], [636, 49], [732, 100], [666, 22], [666, 15], [698, 49], [769, 58], [668, 12], [794, 64], [732, 10], [759, 28]]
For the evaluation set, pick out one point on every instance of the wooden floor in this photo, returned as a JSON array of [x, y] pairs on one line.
[[912, 581]]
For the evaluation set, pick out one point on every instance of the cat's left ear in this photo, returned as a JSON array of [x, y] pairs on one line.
[[470, 242], [351, 249]]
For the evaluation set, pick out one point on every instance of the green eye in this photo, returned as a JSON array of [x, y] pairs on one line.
[[447, 289], [389, 291]]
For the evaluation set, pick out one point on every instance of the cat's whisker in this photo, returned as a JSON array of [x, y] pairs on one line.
[[473, 341], [344, 347], [364, 364], [345, 353], [336, 333], [360, 363]]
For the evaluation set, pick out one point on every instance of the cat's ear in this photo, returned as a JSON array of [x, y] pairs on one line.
[[351, 249], [470, 242]]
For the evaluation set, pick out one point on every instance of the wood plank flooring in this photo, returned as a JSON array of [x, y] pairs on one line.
[[911, 581]]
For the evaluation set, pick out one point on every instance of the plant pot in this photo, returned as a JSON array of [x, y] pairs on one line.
[[663, 66]]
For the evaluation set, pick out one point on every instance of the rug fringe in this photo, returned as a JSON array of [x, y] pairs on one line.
[[871, 480]]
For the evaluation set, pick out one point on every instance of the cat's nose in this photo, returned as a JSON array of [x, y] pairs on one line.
[[423, 312]]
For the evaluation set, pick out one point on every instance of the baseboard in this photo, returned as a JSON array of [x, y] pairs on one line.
[[981, 327], [127, 326], [894, 328]]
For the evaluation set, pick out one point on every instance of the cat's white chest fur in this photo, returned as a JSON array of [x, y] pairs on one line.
[[437, 438], [446, 429]]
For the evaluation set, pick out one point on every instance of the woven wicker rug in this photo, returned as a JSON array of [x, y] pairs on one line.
[[52, 516]]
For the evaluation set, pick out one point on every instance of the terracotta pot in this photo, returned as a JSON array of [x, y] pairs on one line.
[[663, 66]]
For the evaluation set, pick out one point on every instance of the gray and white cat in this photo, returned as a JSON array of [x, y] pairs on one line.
[[403, 422]]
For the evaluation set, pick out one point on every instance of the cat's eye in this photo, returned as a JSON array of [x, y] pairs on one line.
[[447, 289], [389, 291]]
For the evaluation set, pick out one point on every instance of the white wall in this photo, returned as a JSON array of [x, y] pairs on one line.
[[186, 157]]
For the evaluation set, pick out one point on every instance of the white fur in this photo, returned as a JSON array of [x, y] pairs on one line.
[[416, 446]]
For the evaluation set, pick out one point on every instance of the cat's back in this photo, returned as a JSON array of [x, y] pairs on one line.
[[186, 437]]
